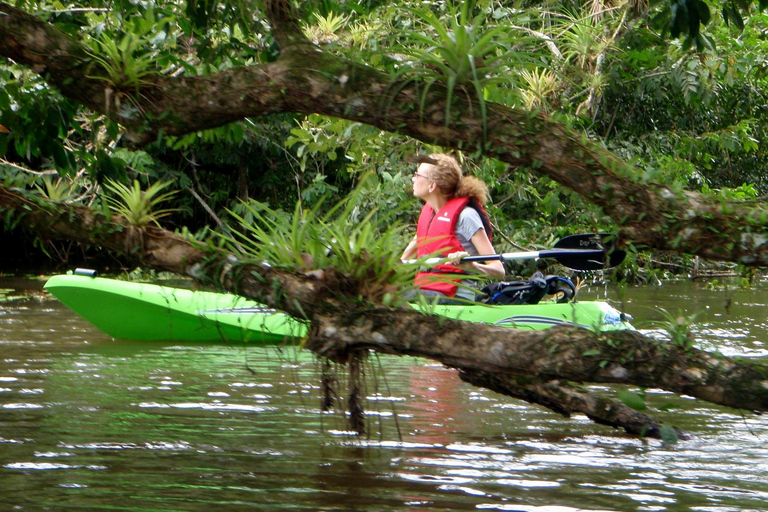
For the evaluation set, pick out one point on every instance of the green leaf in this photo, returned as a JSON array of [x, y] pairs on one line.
[[632, 399], [731, 14], [60, 156], [679, 24], [692, 9], [668, 434], [704, 14]]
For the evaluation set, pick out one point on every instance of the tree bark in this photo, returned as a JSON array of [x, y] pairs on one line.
[[567, 399], [307, 79]]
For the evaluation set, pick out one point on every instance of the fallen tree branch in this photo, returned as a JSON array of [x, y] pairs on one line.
[[566, 399]]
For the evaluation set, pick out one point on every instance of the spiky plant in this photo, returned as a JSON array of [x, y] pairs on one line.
[[139, 206], [677, 326], [539, 84], [360, 34], [59, 191], [325, 28], [466, 55], [583, 39], [363, 250], [124, 62]]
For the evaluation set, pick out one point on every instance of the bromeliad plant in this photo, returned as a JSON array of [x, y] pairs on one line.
[[61, 191], [124, 65], [362, 250], [539, 84], [325, 28], [465, 55], [139, 206]]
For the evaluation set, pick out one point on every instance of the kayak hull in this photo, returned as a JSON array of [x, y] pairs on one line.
[[149, 312]]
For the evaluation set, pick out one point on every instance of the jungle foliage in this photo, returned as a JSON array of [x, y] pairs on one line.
[[666, 87]]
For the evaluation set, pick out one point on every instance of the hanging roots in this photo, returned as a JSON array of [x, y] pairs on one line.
[[355, 387], [327, 382], [331, 381]]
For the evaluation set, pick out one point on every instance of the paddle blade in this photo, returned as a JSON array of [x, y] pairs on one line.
[[598, 252]]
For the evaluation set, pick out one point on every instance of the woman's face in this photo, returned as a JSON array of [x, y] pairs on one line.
[[422, 183]]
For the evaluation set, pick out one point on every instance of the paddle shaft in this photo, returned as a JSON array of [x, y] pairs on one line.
[[528, 255], [580, 252]]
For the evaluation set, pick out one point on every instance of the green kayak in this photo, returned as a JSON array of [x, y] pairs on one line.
[[140, 311]]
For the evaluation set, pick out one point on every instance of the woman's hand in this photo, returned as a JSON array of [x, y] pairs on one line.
[[455, 258]]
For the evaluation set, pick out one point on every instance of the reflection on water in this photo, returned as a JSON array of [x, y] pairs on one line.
[[91, 423]]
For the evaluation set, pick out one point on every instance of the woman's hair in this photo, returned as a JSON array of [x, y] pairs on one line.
[[449, 179]]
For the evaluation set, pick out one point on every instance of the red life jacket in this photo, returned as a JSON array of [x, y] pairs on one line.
[[436, 236]]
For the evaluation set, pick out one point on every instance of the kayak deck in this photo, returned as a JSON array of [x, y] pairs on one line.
[[144, 312]]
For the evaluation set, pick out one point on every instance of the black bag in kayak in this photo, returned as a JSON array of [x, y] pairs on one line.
[[528, 292]]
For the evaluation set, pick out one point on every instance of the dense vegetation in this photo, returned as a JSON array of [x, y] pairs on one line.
[[684, 113]]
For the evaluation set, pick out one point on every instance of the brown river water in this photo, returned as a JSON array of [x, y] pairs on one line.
[[92, 423]]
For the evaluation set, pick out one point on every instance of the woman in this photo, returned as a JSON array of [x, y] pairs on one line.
[[452, 224]]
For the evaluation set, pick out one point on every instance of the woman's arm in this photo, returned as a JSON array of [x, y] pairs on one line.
[[485, 248], [410, 250]]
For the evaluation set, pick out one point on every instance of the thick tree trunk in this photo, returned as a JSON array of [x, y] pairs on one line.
[[306, 79]]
